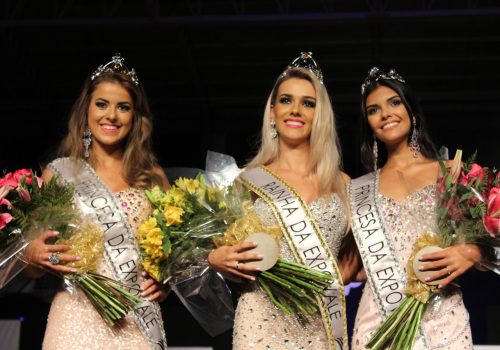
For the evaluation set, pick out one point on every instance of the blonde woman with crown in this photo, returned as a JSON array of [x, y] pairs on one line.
[[299, 152], [107, 156]]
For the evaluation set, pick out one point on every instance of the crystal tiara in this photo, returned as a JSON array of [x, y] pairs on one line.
[[306, 61], [116, 65], [375, 74]]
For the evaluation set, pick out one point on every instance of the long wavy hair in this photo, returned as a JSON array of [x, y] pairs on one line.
[[413, 108], [139, 160], [325, 154]]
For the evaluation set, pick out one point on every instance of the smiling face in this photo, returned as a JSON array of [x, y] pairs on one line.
[[293, 110], [110, 115], [388, 116]]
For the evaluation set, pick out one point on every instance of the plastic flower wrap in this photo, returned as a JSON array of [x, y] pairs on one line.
[[176, 239], [29, 207], [467, 212]]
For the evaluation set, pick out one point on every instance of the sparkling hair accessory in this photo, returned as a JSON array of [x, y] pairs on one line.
[[306, 61], [375, 74], [116, 65]]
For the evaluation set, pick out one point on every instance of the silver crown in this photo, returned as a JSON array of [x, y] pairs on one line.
[[306, 61], [116, 65], [375, 74]]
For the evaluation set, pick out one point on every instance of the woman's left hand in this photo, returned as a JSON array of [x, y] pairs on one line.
[[451, 262], [153, 290]]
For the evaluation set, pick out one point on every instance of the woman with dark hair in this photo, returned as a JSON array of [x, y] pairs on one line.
[[390, 207], [300, 156], [107, 157]]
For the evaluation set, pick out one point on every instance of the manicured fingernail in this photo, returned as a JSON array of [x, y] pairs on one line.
[[427, 278], [144, 273], [73, 270], [260, 256], [420, 268], [440, 286], [257, 268], [77, 258], [252, 278]]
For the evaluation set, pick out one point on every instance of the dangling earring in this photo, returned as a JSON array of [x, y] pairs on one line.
[[375, 153], [274, 133], [87, 139], [414, 145]]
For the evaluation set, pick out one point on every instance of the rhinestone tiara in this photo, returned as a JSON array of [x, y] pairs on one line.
[[306, 61], [375, 74], [116, 65]]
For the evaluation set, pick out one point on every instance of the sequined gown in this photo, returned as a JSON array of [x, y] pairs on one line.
[[261, 325], [73, 322], [446, 321]]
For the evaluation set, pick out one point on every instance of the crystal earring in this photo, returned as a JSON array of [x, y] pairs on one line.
[[87, 139], [274, 133], [375, 153], [414, 145]]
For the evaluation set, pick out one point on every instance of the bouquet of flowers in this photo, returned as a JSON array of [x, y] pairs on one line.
[[292, 287], [177, 237], [193, 217], [29, 206], [468, 211]]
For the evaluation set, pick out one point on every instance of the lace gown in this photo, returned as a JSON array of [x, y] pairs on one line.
[[261, 325], [73, 322], [446, 321]]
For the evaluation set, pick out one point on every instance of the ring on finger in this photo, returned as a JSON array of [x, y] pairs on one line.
[[237, 265], [54, 258], [448, 270]]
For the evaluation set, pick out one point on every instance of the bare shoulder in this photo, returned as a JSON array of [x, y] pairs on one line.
[[161, 173]]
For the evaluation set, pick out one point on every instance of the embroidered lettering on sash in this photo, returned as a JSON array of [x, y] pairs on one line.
[[381, 263], [307, 244], [121, 252]]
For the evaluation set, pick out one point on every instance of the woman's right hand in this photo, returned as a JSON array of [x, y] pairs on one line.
[[38, 252], [231, 261]]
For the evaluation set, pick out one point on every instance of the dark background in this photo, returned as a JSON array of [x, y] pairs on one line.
[[208, 67]]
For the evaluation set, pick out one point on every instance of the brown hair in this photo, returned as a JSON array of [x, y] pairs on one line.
[[139, 161]]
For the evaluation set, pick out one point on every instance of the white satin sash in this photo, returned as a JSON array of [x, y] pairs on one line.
[[383, 270], [121, 251], [307, 244]]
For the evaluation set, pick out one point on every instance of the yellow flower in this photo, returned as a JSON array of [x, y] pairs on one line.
[[147, 226], [190, 185], [151, 268], [151, 240], [175, 196], [173, 215], [211, 194]]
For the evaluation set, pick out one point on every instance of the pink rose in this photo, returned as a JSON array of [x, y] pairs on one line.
[[5, 218], [491, 220], [8, 180], [475, 172], [18, 175]]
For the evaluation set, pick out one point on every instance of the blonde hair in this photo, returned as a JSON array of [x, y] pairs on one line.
[[325, 154], [139, 162]]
